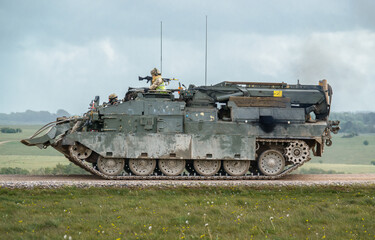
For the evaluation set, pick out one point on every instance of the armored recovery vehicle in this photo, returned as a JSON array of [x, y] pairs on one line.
[[231, 130]]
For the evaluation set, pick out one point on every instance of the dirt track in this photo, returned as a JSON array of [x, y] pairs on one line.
[[48, 181], [5, 142]]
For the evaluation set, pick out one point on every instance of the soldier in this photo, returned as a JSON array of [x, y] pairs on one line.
[[157, 80], [112, 99]]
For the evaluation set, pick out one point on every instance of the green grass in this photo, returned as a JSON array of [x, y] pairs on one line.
[[31, 162], [15, 154], [18, 149], [349, 150], [14, 147], [196, 213], [345, 168], [27, 131]]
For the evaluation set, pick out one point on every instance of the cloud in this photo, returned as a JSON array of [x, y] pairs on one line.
[[68, 75], [344, 58]]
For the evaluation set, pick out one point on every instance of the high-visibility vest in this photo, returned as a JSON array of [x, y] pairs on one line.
[[161, 87]]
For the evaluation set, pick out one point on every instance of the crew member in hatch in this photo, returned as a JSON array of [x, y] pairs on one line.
[[112, 99], [157, 81]]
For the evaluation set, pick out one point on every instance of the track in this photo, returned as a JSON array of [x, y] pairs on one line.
[[253, 176], [48, 181]]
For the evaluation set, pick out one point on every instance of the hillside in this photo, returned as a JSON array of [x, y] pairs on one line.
[[355, 122], [31, 117]]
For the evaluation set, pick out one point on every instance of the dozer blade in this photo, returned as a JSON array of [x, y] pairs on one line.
[[41, 141]]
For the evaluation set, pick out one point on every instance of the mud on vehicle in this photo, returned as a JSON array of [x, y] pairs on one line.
[[231, 130]]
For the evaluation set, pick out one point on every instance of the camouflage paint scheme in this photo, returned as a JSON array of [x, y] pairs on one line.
[[222, 122]]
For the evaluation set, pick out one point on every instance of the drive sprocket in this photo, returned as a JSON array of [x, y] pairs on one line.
[[297, 152]]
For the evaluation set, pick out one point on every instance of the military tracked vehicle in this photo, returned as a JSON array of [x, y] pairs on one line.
[[231, 130]]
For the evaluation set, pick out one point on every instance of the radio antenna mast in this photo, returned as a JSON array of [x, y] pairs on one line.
[[205, 69], [161, 46]]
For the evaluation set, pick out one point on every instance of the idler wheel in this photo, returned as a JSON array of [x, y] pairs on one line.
[[271, 162], [79, 151], [207, 167], [142, 167], [171, 167], [111, 166], [297, 152], [236, 167]]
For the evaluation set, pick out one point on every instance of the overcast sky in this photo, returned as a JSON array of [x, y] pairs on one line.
[[60, 54]]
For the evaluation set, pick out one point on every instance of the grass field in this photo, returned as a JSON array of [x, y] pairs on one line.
[[31, 162], [347, 155], [340, 168], [15, 154], [182, 213], [350, 150]]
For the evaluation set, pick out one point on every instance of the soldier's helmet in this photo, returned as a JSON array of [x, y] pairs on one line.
[[155, 72], [112, 96]]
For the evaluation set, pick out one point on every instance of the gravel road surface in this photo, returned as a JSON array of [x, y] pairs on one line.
[[49, 181]]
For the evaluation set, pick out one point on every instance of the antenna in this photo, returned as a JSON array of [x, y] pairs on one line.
[[161, 46], [205, 70]]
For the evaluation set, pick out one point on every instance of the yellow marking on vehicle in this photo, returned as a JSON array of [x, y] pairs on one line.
[[277, 93]]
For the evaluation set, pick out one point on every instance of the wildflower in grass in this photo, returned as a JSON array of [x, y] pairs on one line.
[[187, 222], [150, 227], [271, 218], [206, 224], [188, 214], [20, 221]]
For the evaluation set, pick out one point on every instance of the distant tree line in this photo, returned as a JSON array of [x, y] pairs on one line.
[[58, 170], [31, 117], [359, 122], [10, 130]]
